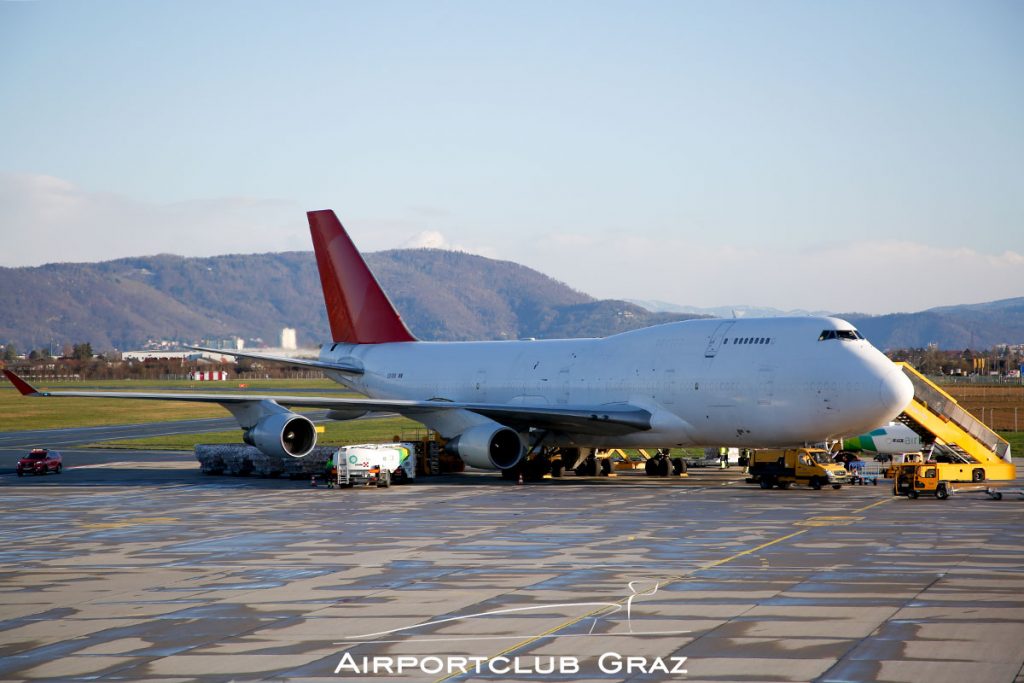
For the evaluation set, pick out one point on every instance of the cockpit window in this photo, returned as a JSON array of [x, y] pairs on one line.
[[848, 335]]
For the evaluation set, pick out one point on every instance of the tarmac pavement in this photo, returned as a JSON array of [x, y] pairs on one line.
[[138, 567]]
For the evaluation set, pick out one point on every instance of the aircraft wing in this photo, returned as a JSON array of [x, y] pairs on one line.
[[606, 420], [354, 367]]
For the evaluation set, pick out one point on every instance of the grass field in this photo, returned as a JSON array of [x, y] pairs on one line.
[[20, 413]]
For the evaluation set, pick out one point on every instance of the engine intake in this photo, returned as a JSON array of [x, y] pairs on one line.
[[489, 447], [282, 434]]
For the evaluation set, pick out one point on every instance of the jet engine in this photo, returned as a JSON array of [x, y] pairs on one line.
[[282, 434], [488, 446]]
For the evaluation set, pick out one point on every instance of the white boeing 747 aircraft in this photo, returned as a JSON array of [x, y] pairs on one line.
[[749, 382]]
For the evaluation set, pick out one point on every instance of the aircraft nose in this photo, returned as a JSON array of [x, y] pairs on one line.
[[895, 391]]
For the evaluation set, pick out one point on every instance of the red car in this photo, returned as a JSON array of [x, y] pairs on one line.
[[40, 461]]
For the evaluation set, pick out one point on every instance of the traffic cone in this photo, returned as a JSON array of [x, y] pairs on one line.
[[520, 482]]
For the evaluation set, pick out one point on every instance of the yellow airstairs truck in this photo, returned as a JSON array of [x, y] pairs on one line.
[[964, 453]]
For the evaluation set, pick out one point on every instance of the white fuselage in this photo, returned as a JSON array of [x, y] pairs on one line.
[[746, 382]]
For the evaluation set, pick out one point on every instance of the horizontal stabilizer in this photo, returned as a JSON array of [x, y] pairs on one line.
[[354, 368]]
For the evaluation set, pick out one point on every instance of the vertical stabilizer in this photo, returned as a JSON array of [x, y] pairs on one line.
[[358, 309]]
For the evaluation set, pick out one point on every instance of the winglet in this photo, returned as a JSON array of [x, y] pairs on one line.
[[358, 309], [21, 385]]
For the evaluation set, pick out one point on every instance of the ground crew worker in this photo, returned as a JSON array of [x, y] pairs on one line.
[[744, 460], [723, 457]]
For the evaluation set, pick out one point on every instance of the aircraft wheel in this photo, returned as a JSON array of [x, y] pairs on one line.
[[556, 469], [664, 467], [941, 493]]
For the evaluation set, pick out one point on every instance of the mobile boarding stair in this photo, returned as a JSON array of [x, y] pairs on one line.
[[969, 450]]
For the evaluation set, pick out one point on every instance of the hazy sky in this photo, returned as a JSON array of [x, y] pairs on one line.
[[844, 156]]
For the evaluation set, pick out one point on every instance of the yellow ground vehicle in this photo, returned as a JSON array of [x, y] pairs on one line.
[[941, 479], [901, 459], [807, 466], [963, 447]]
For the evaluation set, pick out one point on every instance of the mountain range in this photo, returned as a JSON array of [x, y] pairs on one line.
[[442, 295]]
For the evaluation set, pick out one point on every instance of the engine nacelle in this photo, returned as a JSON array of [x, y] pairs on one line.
[[490, 447], [282, 434]]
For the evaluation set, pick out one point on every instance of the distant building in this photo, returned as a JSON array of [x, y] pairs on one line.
[[154, 354], [208, 376], [288, 341], [157, 354]]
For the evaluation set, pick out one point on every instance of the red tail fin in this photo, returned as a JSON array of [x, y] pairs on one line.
[[358, 309]]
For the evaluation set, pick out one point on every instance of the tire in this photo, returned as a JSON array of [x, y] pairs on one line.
[[765, 484], [784, 485], [996, 495], [912, 495], [815, 483], [941, 492], [837, 486], [978, 475], [556, 469], [59, 468]]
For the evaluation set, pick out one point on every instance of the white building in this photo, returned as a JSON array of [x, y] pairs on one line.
[[288, 342]]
